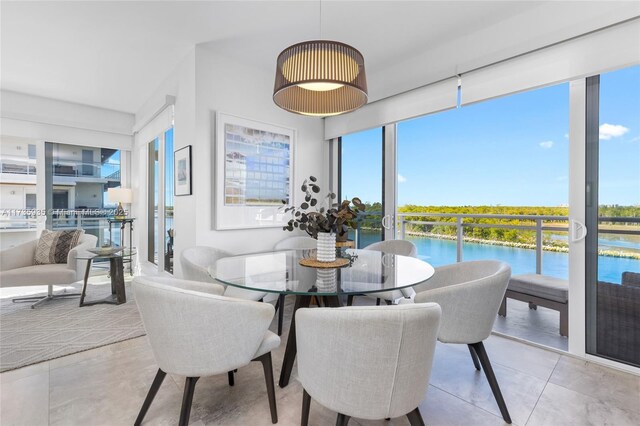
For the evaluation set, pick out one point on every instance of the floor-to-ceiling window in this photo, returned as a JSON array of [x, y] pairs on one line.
[[613, 215], [361, 171], [153, 180], [78, 180], [168, 200], [18, 219]]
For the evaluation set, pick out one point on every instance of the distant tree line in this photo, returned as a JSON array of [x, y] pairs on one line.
[[371, 220]]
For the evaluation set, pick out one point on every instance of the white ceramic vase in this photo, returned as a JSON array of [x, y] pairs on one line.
[[326, 247]]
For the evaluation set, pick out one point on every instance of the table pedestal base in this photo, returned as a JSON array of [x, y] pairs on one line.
[[302, 301]]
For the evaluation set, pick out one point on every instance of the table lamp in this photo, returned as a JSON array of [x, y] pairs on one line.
[[120, 195]]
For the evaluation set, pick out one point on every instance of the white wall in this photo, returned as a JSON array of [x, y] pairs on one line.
[[204, 83], [181, 84], [41, 118], [224, 85]]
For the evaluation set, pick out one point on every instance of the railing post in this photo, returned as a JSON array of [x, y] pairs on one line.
[[538, 246], [402, 228], [356, 238], [460, 238]]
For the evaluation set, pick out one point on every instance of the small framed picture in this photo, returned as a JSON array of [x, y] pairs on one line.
[[182, 171]]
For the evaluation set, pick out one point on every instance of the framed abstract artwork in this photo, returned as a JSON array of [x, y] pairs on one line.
[[254, 173], [182, 170]]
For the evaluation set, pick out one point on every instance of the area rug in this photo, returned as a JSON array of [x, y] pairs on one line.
[[59, 327]]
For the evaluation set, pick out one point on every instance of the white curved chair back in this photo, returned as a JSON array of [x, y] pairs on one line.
[[195, 262], [470, 294], [400, 247], [197, 334], [88, 240], [338, 348], [296, 243]]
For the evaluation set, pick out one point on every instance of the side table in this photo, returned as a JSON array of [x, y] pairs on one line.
[[116, 271]]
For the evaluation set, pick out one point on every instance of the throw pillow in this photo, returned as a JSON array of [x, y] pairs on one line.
[[54, 246]]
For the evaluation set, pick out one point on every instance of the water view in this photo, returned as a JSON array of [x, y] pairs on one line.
[[440, 252]]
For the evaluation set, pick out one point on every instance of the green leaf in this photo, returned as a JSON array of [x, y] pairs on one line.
[[304, 206], [312, 178], [313, 202], [315, 188]]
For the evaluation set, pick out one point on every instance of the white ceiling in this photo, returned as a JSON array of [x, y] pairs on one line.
[[115, 54]]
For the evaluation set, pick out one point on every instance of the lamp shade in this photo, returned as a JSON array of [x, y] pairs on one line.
[[120, 195], [320, 78]]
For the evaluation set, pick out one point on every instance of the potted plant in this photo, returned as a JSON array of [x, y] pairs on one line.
[[325, 221]]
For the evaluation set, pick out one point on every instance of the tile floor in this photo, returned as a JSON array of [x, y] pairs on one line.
[[106, 386]]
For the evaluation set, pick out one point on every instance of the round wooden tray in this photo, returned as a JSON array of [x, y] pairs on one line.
[[314, 263]]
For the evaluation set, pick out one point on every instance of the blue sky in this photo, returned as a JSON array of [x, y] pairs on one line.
[[508, 151]]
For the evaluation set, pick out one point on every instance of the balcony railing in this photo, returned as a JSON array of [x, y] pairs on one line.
[[72, 168], [537, 224], [17, 165]]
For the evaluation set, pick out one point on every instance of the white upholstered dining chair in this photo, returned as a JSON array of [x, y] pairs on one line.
[[339, 347], [401, 248], [470, 294], [195, 263], [194, 331]]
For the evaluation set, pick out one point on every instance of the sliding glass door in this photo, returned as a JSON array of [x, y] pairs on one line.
[[361, 175], [613, 215]]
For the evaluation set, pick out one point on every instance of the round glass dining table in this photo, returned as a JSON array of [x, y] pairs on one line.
[[280, 272]]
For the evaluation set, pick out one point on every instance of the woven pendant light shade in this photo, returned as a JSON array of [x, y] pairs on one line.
[[321, 78]]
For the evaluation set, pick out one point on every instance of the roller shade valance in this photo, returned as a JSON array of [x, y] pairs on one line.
[[414, 103], [605, 50]]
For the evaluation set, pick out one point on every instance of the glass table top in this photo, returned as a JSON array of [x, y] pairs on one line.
[[125, 252], [279, 272]]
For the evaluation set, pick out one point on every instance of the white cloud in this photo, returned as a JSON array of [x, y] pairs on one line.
[[608, 131], [401, 179], [566, 135], [546, 144]]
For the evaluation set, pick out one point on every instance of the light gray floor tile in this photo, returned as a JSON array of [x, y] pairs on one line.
[[526, 359], [25, 401], [561, 406], [606, 384], [21, 373], [453, 372]]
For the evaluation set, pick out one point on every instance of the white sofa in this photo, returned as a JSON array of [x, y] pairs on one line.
[[17, 269]]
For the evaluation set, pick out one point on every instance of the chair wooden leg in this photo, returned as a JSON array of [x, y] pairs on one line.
[[415, 418], [533, 306], [231, 380], [268, 377], [378, 302], [564, 321], [388, 302], [155, 386], [187, 400], [280, 309], [342, 420], [503, 307], [306, 407], [474, 357], [491, 377], [350, 300]]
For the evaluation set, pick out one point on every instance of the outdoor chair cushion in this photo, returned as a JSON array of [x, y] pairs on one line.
[[55, 273], [542, 286], [54, 246]]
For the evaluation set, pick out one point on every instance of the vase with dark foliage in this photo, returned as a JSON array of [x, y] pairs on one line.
[[322, 214]]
